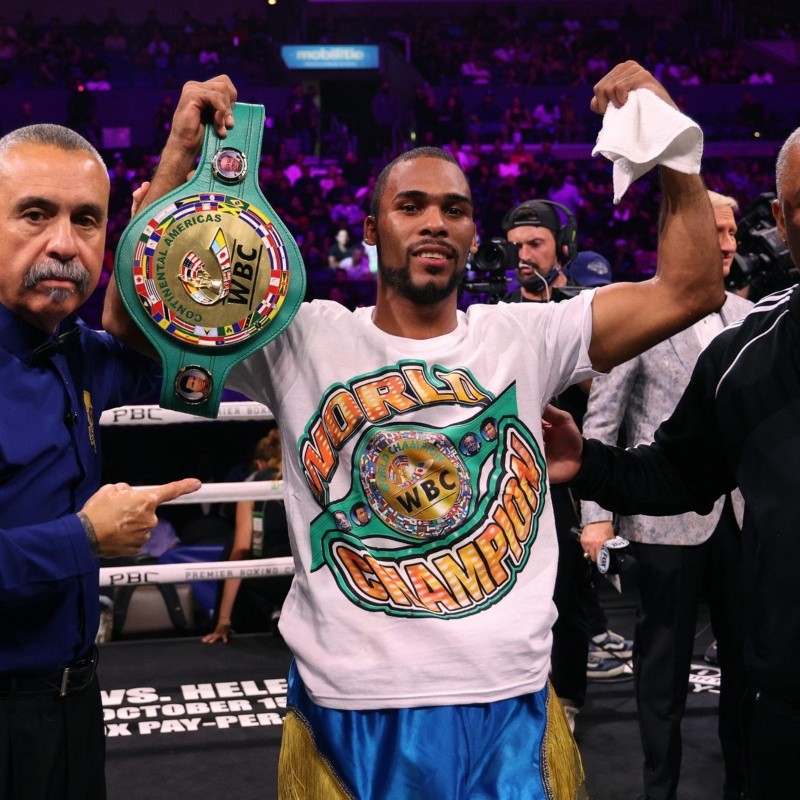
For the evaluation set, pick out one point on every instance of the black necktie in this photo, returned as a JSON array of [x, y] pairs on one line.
[[58, 344]]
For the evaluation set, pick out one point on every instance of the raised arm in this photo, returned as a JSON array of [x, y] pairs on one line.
[[629, 318], [209, 102]]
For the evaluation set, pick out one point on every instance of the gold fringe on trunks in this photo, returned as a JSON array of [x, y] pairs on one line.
[[561, 760], [303, 774]]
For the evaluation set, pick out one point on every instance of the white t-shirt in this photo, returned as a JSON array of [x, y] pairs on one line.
[[415, 489]]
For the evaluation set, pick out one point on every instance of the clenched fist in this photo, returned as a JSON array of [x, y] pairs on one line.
[[624, 78]]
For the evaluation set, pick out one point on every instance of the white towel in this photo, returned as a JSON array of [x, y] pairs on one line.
[[647, 131]]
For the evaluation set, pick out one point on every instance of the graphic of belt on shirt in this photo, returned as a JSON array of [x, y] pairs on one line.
[[437, 522]]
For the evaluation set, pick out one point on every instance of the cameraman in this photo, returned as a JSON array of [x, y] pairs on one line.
[[702, 549], [546, 246], [546, 249]]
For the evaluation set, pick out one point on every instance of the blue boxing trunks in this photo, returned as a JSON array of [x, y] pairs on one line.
[[515, 749]]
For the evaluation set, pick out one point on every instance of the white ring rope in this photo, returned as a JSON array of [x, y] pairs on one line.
[[155, 415], [208, 493], [197, 571]]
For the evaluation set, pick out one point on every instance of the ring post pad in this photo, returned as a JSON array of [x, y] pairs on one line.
[[216, 274]]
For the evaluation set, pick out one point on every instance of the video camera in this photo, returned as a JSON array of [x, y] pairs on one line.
[[486, 269], [762, 260]]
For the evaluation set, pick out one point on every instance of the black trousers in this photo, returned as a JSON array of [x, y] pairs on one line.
[[571, 596], [52, 747], [671, 581], [772, 733]]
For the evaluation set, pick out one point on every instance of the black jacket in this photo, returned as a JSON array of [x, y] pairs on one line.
[[737, 424]]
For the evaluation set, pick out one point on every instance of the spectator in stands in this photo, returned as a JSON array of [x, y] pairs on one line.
[[486, 121], [569, 128], [623, 263], [424, 111], [82, 113], [295, 169], [565, 190], [356, 265], [307, 185], [519, 155], [451, 121], [760, 76], [476, 70], [319, 216], [115, 40], [327, 182], [162, 122], [385, 117], [207, 52], [340, 249], [456, 149], [157, 50], [355, 169], [312, 252], [546, 116], [8, 52], [517, 122], [751, 114], [301, 118], [348, 213]]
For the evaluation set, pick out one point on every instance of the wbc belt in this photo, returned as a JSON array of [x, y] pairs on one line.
[[216, 274]]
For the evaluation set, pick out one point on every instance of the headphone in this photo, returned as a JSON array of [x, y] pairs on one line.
[[566, 236]]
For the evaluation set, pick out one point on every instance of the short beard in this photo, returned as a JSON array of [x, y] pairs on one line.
[[534, 283], [428, 294], [51, 269]]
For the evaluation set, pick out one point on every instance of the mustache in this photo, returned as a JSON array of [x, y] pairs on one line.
[[51, 269]]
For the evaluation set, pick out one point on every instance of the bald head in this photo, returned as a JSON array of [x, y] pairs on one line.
[[781, 166]]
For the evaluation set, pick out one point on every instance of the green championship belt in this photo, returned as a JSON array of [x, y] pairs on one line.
[[216, 274]]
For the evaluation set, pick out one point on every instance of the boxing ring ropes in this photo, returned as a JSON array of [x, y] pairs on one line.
[[209, 493]]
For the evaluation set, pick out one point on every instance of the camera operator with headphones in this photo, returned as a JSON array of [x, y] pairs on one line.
[[545, 246], [544, 253]]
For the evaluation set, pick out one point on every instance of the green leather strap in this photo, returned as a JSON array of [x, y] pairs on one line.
[[215, 273]]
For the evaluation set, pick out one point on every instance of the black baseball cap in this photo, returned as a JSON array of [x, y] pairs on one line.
[[532, 212]]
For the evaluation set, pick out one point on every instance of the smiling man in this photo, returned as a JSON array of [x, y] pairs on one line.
[[435, 615]]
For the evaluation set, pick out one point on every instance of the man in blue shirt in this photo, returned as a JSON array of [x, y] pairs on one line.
[[56, 377]]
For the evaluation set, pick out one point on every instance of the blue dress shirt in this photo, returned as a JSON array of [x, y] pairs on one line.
[[50, 464]]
